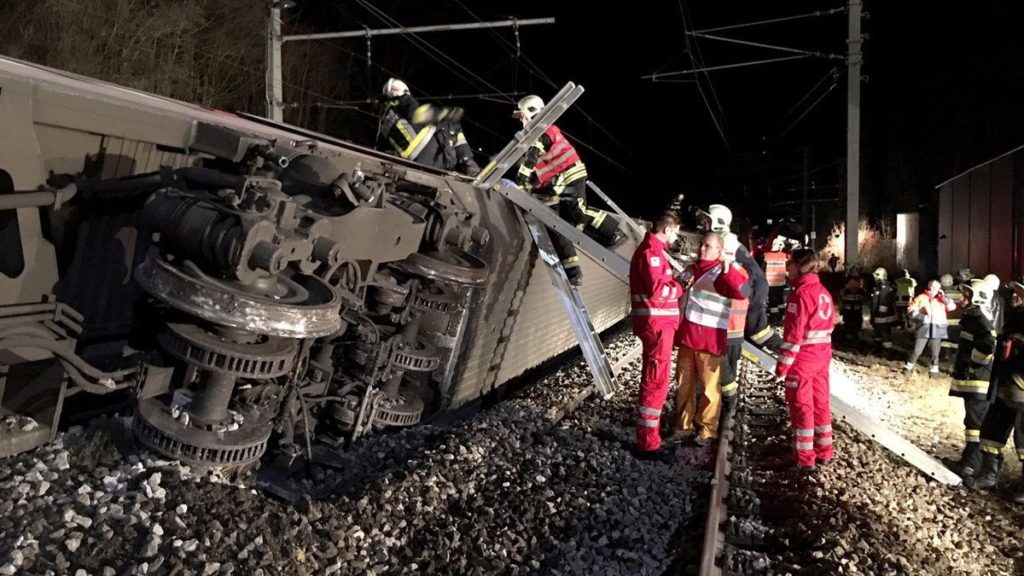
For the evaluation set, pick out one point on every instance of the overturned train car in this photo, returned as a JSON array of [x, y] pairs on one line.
[[249, 282]]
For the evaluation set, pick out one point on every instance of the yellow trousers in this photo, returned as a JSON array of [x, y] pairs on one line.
[[695, 368]]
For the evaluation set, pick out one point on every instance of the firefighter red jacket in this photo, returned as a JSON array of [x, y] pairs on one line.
[[706, 305], [654, 292], [810, 318]]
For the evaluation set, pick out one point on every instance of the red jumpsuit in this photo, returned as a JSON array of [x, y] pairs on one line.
[[654, 296], [804, 361]]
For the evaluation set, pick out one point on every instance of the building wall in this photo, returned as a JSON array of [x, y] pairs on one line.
[[977, 219]]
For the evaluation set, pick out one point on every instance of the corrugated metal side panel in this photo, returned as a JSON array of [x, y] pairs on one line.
[[543, 330], [944, 244], [509, 256], [960, 238], [980, 218], [1001, 224]]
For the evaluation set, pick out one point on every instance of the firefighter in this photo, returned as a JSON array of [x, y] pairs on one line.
[[928, 311], [883, 309], [1006, 414], [654, 297], [775, 274], [972, 370], [853, 305], [804, 360], [424, 133], [552, 169], [711, 282], [756, 328], [737, 322], [905, 287]]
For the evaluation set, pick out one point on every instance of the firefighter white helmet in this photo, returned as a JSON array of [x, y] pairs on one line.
[[977, 292], [880, 274], [528, 107], [721, 217], [779, 244], [946, 281], [993, 282], [395, 88]]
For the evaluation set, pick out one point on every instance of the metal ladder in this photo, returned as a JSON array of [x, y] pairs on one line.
[[540, 219]]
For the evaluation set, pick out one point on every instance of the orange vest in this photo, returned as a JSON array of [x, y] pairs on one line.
[[738, 314], [775, 268]]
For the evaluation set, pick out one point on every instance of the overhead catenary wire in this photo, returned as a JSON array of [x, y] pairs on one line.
[[814, 14], [700, 87], [532, 66]]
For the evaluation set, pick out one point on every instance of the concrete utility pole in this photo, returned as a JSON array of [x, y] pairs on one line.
[[853, 64], [275, 105], [275, 94]]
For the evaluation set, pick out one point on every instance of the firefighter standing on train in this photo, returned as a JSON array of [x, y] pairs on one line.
[[553, 171], [804, 360], [424, 133]]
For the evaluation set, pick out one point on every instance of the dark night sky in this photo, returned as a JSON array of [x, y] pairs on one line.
[[944, 79]]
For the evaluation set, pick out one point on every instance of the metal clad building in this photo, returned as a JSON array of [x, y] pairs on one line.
[[980, 216]]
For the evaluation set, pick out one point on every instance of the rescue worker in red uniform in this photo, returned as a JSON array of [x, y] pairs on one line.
[[711, 283], [804, 360], [654, 300], [552, 170], [928, 311]]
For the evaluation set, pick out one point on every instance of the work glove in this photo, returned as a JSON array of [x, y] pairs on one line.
[[730, 244]]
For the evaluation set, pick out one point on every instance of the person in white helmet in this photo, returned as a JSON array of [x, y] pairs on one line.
[[1006, 414], [552, 169], [756, 328], [972, 371], [883, 309], [427, 134]]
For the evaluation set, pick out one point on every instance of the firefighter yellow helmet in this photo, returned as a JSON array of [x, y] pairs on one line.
[[721, 217], [395, 88], [528, 107], [976, 292], [880, 274]]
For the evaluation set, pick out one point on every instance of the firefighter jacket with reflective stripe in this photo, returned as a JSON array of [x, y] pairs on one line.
[[408, 138], [930, 314], [549, 157], [654, 293], [808, 324], [852, 295], [1010, 360], [972, 368], [775, 268], [706, 305], [883, 304], [738, 308]]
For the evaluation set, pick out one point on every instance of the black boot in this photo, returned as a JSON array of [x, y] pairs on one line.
[[970, 460], [988, 476], [1018, 494]]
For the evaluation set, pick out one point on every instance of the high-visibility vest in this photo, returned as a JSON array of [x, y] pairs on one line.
[[775, 268], [738, 313], [703, 306]]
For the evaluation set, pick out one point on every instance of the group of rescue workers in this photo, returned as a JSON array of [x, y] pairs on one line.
[[988, 368], [726, 296], [706, 311]]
